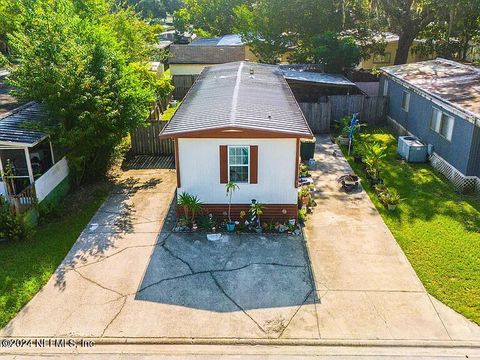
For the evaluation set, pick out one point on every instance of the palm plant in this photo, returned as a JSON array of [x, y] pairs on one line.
[[183, 201], [230, 187], [190, 204]]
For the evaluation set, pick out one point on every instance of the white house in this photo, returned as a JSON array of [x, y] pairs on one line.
[[239, 122], [27, 157]]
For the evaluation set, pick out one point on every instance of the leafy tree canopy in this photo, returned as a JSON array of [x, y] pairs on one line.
[[336, 54], [89, 66]]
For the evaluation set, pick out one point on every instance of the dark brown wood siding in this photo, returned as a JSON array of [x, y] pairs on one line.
[[223, 164], [271, 212], [254, 164]]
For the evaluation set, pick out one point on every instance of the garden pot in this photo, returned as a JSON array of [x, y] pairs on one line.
[[231, 227], [343, 140], [358, 159], [392, 207], [305, 200]]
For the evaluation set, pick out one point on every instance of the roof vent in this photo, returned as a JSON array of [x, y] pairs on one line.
[[252, 72]]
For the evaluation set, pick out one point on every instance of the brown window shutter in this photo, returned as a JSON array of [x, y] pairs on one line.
[[223, 164], [253, 164]]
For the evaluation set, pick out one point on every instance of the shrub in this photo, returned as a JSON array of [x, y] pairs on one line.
[[11, 227], [190, 204]]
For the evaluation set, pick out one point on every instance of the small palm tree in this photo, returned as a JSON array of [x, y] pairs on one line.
[[231, 187]]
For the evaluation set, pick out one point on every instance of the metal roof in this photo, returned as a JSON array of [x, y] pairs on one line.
[[229, 96], [206, 54], [225, 40], [12, 125], [456, 84], [319, 78]]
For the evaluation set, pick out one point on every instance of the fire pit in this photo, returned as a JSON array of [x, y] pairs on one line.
[[349, 182]]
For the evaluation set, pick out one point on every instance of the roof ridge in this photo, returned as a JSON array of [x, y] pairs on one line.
[[236, 89]]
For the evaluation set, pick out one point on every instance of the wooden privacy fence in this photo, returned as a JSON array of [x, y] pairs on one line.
[[371, 109], [146, 140]]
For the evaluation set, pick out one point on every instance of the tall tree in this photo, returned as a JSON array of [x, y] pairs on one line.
[[90, 71], [274, 26], [216, 17], [407, 18]]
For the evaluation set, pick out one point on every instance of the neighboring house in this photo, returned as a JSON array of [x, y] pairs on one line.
[[38, 173], [439, 102], [239, 122], [388, 57], [188, 61]]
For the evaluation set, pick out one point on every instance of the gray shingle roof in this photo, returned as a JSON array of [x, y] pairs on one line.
[[12, 129], [455, 83], [227, 95], [206, 54]]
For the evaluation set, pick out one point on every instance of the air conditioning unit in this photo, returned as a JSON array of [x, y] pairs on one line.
[[412, 149]]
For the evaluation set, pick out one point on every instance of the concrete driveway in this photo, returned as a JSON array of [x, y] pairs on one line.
[[366, 287], [125, 278]]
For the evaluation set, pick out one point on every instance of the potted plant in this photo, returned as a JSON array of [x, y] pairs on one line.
[[390, 198], [372, 158], [344, 125], [304, 195], [230, 187]]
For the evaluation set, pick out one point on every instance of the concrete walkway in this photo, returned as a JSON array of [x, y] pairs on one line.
[[366, 287]]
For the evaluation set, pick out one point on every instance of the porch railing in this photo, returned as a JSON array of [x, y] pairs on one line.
[[24, 201]]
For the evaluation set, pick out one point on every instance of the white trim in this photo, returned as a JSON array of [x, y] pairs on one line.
[[29, 165], [455, 176], [406, 95], [439, 123], [243, 165], [385, 87]]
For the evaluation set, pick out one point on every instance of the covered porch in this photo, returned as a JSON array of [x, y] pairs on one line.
[[29, 168]]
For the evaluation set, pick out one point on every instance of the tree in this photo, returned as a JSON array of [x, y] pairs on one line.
[[336, 54], [216, 17], [407, 18], [94, 84], [181, 20], [455, 28], [274, 27]]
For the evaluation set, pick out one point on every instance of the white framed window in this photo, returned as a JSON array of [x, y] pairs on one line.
[[442, 124], [385, 87], [405, 100], [239, 163]]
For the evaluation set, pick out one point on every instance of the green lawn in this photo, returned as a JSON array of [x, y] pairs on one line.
[[437, 228], [167, 115], [27, 265]]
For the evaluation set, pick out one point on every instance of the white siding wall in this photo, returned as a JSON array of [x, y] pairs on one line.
[[200, 171], [186, 69], [49, 181]]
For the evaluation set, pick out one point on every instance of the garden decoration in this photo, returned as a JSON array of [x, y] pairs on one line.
[[256, 209], [353, 127], [349, 182]]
